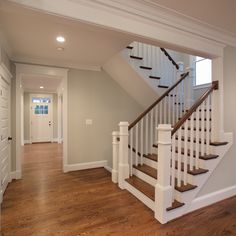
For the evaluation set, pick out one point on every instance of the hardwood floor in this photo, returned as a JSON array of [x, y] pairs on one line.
[[47, 202]]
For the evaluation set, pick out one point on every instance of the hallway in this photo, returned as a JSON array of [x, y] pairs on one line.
[[47, 202]]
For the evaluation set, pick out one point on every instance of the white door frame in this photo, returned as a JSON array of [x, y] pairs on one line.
[[53, 72], [31, 95]]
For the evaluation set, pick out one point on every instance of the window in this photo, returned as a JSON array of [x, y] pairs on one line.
[[203, 71], [41, 110], [41, 100]]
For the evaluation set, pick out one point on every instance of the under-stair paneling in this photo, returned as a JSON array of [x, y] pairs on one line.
[[122, 72], [95, 95]]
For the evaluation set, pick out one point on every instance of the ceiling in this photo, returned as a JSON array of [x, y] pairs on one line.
[[32, 83], [218, 13], [32, 37]]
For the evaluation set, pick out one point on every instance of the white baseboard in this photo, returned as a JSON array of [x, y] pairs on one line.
[[27, 142], [108, 168], [84, 166], [211, 198], [15, 175], [55, 140]]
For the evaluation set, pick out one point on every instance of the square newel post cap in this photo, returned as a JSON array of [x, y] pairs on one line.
[[164, 127], [124, 124]]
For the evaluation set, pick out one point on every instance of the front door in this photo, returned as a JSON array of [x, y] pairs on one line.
[[41, 118], [4, 132]]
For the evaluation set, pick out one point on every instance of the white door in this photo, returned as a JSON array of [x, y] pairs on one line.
[[41, 118], [4, 132]]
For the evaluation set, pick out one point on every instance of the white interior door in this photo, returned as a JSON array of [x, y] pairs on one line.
[[41, 118], [4, 132]]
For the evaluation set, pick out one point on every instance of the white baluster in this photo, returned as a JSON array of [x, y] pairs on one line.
[[115, 156], [165, 108], [151, 130], [136, 144], [179, 158], [173, 164], [156, 122], [131, 151], [161, 112], [202, 107], [185, 151], [141, 142], [208, 125], [191, 161], [146, 136], [197, 138]]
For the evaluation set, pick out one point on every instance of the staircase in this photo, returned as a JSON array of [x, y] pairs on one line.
[[167, 154]]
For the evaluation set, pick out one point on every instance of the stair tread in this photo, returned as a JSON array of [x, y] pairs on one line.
[[147, 170], [175, 205], [152, 156], [142, 186], [155, 145], [129, 47], [191, 172], [154, 77], [146, 67], [183, 187], [136, 57], [194, 129], [149, 190], [163, 86], [203, 157], [218, 143]]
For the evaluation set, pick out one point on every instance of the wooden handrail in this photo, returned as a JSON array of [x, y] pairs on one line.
[[170, 58], [158, 100], [214, 86]]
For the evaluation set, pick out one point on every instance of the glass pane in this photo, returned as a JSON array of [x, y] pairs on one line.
[[36, 100], [37, 110], [45, 110], [46, 100], [203, 72]]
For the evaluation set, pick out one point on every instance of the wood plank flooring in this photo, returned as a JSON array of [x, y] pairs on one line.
[[47, 202]]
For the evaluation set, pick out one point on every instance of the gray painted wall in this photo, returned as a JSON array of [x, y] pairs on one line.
[[225, 174], [96, 96]]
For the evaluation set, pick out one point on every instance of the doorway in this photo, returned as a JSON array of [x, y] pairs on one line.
[[41, 118]]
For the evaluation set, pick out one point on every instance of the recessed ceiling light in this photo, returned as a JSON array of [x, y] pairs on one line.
[[60, 49], [41, 87], [60, 39]]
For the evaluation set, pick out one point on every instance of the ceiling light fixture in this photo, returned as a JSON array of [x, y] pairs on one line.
[[41, 87], [60, 49], [60, 39]]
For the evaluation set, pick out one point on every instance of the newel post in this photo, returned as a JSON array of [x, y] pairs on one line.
[[163, 189], [188, 88], [115, 156], [123, 154]]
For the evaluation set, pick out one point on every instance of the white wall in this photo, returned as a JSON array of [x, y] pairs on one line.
[[95, 95], [225, 174]]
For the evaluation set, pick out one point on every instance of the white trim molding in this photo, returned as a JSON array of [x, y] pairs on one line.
[[27, 142], [108, 168], [143, 18], [212, 198], [85, 166], [15, 175]]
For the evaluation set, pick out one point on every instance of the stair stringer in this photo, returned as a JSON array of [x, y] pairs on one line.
[[189, 196]]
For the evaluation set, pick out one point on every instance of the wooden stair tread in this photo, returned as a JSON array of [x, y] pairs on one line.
[[142, 186], [147, 170], [184, 188], [194, 140], [191, 172], [135, 57], [163, 86], [129, 47], [155, 145], [194, 129], [218, 143], [154, 77], [146, 67], [175, 205], [203, 157], [152, 156]]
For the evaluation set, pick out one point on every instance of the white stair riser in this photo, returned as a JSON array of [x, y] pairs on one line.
[[148, 179]]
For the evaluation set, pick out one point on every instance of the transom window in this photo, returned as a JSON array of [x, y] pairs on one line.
[[41, 100], [203, 69]]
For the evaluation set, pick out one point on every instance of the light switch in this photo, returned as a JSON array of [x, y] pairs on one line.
[[88, 121]]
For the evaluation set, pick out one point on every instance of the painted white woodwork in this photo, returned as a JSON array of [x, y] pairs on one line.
[[123, 154], [41, 119], [115, 156], [163, 189], [5, 129]]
